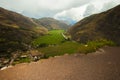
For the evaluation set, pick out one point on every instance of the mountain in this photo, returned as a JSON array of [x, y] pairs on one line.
[[13, 19], [103, 25], [51, 23], [69, 22], [17, 31]]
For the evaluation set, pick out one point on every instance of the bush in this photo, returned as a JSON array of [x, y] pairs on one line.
[[43, 45], [92, 46], [22, 60]]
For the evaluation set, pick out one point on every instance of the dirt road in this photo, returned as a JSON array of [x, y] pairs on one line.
[[102, 65]]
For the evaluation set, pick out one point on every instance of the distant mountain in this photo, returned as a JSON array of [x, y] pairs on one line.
[[69, 22], [17, 31], [98, 26], [51, 23]]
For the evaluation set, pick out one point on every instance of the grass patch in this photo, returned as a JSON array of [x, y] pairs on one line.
[[53, 37], [92, 46], [68, 47], [54, 44], [22, 60]]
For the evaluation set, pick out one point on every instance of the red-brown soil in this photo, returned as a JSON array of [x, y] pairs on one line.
[[102, 65]]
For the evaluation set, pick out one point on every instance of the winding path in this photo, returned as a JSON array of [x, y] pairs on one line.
[[65, 37], [102, 65]]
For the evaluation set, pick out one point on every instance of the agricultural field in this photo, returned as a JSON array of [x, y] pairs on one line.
[[67, 47], [54, 44], [54, 37]]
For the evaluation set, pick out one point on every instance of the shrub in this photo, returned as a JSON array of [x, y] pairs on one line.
[[43, 45], [92, 46], [22, 60]]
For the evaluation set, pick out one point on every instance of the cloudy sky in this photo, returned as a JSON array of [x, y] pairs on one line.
[[60, 9]]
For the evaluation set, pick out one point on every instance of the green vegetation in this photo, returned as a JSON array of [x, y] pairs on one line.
[[54, 37], [61, 49], [22, 60], [54, 44], [92, 46], [70, 47], [46, 44]]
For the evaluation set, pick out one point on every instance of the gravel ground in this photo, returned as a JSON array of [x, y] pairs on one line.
[[101, 65]]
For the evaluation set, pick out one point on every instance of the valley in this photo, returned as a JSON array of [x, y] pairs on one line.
[[50, 49], [54, 44], [53, 37]]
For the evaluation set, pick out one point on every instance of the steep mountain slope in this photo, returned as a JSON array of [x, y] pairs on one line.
[[17, 31], [9, 18], [98, 26], [51, 23]]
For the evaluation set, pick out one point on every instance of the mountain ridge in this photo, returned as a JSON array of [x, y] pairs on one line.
[[98, 26], [51, 23]]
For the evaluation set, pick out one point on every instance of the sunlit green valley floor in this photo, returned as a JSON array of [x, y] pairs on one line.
[[54, 44]]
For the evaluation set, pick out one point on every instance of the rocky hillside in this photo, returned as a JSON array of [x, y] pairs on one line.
[[17, 31], [51, 23], [98, 26]]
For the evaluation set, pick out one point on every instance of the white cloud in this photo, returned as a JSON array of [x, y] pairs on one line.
[[109, 5], [73, 13], [87, 9], [60, 9], [90, 9]]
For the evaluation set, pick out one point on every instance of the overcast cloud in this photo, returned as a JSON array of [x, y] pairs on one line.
[[59, 9]]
